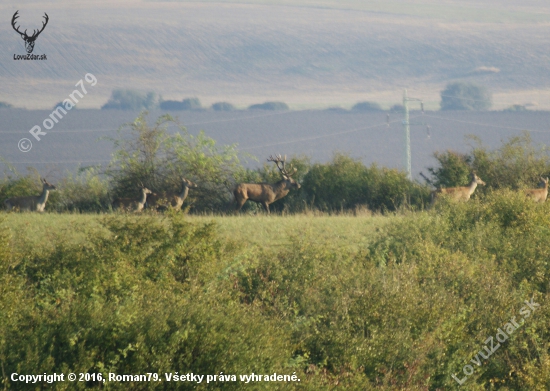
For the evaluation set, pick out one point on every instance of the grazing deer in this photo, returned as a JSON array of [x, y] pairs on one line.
[[132, 204], [31, 203], [538, 195], [162, 201], [267, 193], [459, 193]]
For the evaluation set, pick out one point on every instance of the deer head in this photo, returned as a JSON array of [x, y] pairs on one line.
[[29, 41], [287, 175]]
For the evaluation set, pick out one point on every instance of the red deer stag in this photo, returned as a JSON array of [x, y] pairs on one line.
[[163, 201], [31, 203], [538, 195], [459, 193], [267, 193], [132, 204]]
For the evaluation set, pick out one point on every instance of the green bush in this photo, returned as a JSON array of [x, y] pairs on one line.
[[142, 295], [345, 184], [82, 192], [516, 164]]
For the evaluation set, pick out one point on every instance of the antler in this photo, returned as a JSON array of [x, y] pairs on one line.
[[35, 33], [279, 159], [13, 21]]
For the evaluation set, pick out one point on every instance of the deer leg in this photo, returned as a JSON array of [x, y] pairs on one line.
[[266, 206], [240, 203]]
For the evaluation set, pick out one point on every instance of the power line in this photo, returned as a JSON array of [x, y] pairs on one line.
[[384, 124], [487, 125]]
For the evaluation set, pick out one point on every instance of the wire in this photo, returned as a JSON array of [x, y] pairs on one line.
[[487, 125], [384, 124]]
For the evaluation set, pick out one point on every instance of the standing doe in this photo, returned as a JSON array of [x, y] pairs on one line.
[[163, 201], [132, 204], [459, 193], [538, 195], [31, 203], [267, 193]]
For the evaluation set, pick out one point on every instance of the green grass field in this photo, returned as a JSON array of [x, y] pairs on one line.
[[345, 232]]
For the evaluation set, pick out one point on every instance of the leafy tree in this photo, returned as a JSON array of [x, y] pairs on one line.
[[191, 104], [4, 105], [158, 160], [223, 106], [269, 106], [465, 96], [454, 169], [131, 100], [366, 106]]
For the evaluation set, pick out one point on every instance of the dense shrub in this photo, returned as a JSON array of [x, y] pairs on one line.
[[516, 164], [4, 105], [346, 183], [131, 300], [86, 191], [406, 310]]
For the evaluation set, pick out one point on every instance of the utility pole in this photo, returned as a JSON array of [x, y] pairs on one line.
[[407, 127]]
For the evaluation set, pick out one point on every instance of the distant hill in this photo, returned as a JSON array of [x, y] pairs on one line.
[[304, 53]]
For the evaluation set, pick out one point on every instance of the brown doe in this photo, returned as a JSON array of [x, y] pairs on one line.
[[163, 201], [459, 193], [538, 195], [132, 204], [31, 203], [267, 193]]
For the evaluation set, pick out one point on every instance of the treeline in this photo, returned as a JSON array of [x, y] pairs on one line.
[[147, 155], [455, 96]]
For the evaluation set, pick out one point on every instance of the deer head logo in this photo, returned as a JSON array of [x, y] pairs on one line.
[[29, 40]]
